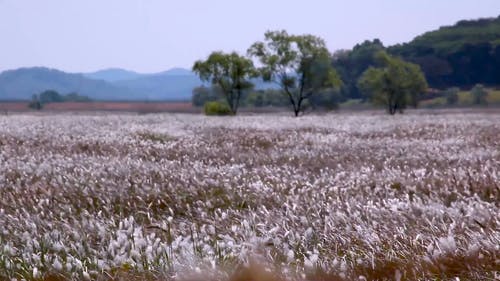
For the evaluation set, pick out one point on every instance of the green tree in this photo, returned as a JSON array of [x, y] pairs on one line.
[[300, 65], [230, 72], [394, 84], [479, 95]]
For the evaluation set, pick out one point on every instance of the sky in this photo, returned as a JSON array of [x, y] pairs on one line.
[[155, 35]]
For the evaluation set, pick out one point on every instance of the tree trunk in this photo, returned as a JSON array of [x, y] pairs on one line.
[[299, 105]]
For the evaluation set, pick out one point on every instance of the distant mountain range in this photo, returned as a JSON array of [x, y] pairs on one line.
[[118, 74], [113, 75], [109, 84], [112, 84]]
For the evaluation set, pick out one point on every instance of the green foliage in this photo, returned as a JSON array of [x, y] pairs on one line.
[[230, 72], [395, 84], [451, 95], [217, 108], [450, 39], [350, 64], [493, 96], [269, 97], [479, 95], [299, 64], [484, 96], [465, 98], [49, 96], [327, 99]]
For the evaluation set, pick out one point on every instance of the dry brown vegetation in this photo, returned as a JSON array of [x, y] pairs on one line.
[[335, 197]]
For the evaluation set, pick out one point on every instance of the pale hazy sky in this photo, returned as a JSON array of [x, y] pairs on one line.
[[154, 35]]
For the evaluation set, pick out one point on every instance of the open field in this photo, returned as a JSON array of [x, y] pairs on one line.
[[362, 196]]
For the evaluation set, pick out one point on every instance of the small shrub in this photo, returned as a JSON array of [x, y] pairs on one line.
[[217, 108]]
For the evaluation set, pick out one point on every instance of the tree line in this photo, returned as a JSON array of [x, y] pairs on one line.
[[301, 68], [460, 57]]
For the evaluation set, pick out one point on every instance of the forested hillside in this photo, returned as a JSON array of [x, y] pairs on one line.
[[462, 55]]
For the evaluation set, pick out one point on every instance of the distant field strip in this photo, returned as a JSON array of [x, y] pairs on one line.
[[142, 107]]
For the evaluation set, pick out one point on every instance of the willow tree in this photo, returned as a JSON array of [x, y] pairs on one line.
[[231, 73], [299, 64], [394, 84]]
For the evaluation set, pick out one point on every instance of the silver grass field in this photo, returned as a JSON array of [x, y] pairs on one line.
[[347, 196]]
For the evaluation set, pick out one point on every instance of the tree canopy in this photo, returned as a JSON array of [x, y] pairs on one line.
[[49, 96], [394, 84], [230, 72], [350, 64], [299, 64]]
